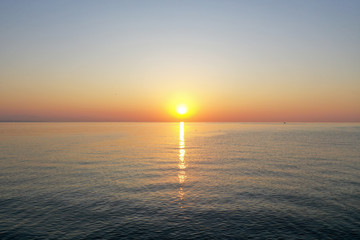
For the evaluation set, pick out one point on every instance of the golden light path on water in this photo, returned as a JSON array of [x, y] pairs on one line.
[[182, 163]]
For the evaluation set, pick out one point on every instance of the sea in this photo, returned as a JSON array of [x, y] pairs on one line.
[[179, 180]]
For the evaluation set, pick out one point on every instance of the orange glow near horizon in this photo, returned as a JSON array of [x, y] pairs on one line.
[[181, 106]]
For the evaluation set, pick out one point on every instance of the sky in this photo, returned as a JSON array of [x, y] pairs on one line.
[[246, 61]]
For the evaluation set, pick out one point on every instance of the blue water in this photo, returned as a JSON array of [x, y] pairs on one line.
[[179, 181]]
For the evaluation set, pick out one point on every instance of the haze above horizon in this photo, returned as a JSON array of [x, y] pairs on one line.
[[226, 61]]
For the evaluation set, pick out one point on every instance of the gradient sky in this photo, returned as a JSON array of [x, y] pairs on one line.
[[136, 60]]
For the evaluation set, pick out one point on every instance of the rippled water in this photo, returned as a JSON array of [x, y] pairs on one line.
[[179, 181]]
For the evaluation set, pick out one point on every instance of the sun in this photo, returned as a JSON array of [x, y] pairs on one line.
[[181, 109]]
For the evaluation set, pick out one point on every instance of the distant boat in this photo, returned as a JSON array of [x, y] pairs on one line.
[[284, 122]]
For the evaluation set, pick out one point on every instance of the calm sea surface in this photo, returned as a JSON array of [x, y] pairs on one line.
[[179, 181]]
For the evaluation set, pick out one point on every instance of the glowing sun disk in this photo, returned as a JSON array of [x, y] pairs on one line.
[[181, 109]]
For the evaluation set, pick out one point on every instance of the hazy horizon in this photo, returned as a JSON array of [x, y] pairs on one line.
[[281, 122]]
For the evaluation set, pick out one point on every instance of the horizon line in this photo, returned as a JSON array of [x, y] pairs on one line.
[[9, 121]]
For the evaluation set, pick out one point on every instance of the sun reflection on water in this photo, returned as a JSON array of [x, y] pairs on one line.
[[182, 163]]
